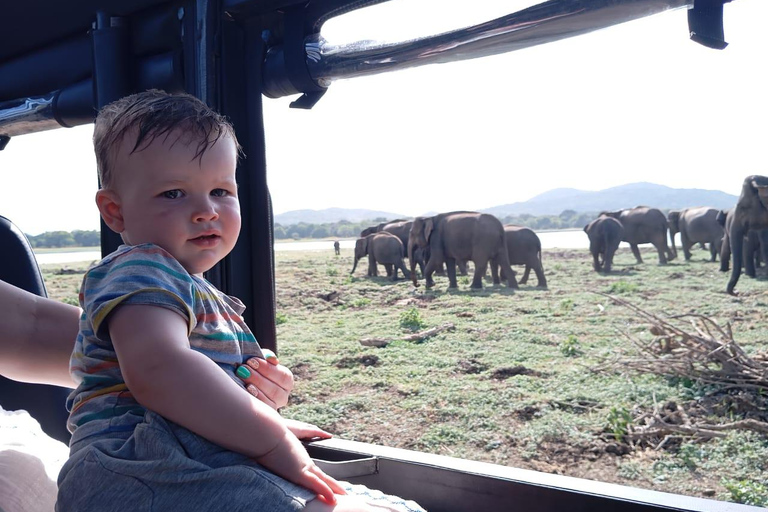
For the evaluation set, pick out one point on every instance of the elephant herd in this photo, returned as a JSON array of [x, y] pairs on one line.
[[739, 234], [451, 240]]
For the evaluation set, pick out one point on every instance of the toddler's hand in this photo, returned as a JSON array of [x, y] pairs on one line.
[[306, 431], [291, 461]]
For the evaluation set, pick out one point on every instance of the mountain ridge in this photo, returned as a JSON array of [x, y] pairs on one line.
[[551, 202]]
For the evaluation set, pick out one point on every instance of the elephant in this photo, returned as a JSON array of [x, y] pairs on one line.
[[400, 228], [752, 248], [749, 214], [696, 225], [643, 225], [337, 247], [460, 236], [605, 234], [523, 248], [384, 248], [375, 229], [398, 232]]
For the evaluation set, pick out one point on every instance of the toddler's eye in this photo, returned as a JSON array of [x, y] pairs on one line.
[[219, 192], [172, 194]]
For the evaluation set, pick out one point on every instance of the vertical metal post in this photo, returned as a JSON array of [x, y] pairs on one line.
[[248, 272], [111, 81]]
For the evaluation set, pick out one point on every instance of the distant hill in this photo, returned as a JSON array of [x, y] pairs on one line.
[[330, 215], [553, 202]]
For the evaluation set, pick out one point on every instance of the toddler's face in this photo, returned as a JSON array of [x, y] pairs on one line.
[[185, 204]]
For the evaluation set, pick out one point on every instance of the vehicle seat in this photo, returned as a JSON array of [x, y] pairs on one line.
[[47, 404]]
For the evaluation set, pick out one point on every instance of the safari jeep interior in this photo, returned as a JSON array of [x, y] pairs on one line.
[[61, 61]]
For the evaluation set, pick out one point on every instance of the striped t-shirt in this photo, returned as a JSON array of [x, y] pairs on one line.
[[146, 275]]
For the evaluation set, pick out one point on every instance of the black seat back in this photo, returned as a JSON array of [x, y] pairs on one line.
[[46, 404]]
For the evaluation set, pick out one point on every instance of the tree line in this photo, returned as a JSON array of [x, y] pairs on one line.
[[341, 229], [346, 229], [77, 238]]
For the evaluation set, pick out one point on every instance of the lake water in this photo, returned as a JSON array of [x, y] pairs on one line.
[[571, 239]]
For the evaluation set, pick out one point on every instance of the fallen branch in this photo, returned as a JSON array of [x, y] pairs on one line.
[[417, 336], [709, 356]]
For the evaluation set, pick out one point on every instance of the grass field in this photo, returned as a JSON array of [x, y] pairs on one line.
[[521, 379]]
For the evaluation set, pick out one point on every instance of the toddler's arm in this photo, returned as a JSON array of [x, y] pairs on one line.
[[167, 376]]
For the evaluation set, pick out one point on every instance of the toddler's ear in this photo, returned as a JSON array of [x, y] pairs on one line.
[[108, 203]]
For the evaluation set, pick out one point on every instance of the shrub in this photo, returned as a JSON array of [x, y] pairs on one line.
[[619, 420], [747, 492], [411, 320], [622, 287], [570, 346]]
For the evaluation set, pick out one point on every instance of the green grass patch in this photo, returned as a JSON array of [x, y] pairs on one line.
[[515, 381]]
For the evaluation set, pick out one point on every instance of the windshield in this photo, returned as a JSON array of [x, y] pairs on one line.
[[545, 137]]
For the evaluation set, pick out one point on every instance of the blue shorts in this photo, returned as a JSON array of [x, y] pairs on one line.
[[145, 463], [158, 466]]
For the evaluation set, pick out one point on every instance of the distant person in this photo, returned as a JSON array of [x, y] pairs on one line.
[[159, 420], [337, 247]]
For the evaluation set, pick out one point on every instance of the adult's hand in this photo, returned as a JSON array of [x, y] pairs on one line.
[[267, 380]]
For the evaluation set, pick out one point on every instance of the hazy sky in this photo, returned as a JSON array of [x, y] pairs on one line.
[[635, 102]]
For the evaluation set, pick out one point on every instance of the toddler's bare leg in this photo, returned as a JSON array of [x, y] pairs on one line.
[[346, 503]]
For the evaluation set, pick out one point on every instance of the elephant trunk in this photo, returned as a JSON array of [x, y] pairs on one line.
[[412, 261], [355, 265]]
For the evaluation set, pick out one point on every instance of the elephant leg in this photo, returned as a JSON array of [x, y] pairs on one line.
[[686, 242], [596, 260], [526, 273], [440, 269], [432, 264], [749, 260], [462, 267], [495, 276], [388, 268], [503, 260], [636, 252], [372, 270], [403, 268], [539, 269], [672, 246], [661, 248], [393, 276], [725, 254], [480, 268], [450, 265], [712, 252], [762, 237], [608, 260], [736, 237]]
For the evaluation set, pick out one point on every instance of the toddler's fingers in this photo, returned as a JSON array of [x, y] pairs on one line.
[[335, 486]]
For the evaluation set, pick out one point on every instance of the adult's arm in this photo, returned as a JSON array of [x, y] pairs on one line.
[[36, 337]]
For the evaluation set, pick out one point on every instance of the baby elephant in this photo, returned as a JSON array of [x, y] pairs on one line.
[[382, 248], [523, 248], [605, 234]]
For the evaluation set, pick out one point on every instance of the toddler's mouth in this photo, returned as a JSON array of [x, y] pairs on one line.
[[206, 237]]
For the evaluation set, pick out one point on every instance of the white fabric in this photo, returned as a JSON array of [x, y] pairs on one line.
[[29, 464]]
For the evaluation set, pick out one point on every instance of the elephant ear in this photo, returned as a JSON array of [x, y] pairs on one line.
[[429, 225], [366, 241]]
